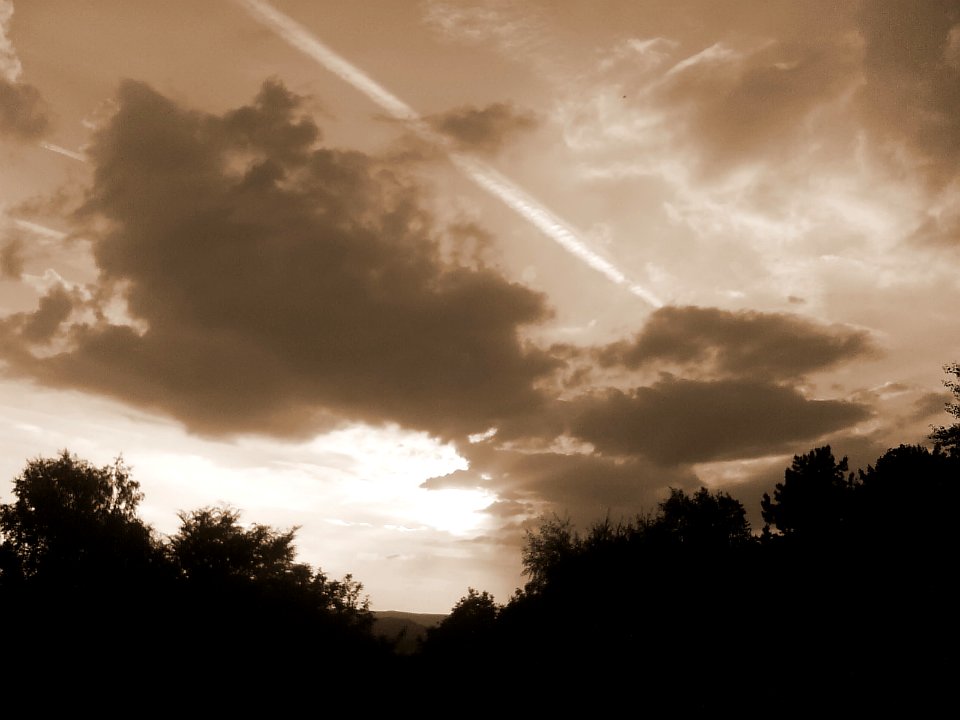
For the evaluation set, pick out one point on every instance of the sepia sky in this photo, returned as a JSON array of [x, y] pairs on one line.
[[410, 274]]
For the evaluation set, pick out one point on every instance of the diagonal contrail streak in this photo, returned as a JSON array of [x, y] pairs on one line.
[[60, 150], [41, 230], [478, 171]]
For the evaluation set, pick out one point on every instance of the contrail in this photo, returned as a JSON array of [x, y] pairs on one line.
[[63, 151], [41, 230], [478, 171], [549, 224]]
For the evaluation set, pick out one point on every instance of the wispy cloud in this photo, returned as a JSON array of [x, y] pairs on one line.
[[478, 171], [509, 26], [10, 67], [23, 113], [715, 53]]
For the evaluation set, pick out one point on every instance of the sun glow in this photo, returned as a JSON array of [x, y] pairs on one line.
[[387, 466]]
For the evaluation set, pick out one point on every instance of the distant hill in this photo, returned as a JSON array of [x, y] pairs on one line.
[[403, 628]]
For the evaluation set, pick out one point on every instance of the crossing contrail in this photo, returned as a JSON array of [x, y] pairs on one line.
[[478, 171]]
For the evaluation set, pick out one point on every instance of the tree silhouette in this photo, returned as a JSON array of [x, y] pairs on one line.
[[82, 574], [212, 545], [637, 604], [76, 523], [546, 549], [814, 500], [704, 520], [948, 437], [467, 632]]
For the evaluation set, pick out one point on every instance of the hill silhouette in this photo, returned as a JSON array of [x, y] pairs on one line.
[[404, 630]]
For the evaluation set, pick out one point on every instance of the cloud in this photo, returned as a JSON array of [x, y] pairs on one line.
[[484, 129], [742, 87], [281, 284], [738, 106], [931, 405], [585, 485], [23, 113], [11, 259], [785, 121], [23, 331], [54, 308], [940, 227], [483, 175], [744, 344], [618, 450], [783, 91], [10, 67], [597, 448], [911, 66], [679, 421], [509, 27]]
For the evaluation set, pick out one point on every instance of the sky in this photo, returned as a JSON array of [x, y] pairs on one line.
[[411, 274]]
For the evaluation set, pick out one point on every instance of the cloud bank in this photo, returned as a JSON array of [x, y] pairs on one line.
[[281, 283], [745, 344]]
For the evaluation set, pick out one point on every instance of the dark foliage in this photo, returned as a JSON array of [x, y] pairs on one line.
[[91, 594], [74, 524], [947, 437], [625, 610], [467, 632], [814, 501]]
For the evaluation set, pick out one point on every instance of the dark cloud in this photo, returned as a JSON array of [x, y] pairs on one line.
[[11, 259], [484, 129], [508, 510], [912, 70], [282, 284], [686, 421], [931, 405], [20, 330], [624, 448], [467, 244], [23, 112], [743, 344], [585, 485], [55, 307]]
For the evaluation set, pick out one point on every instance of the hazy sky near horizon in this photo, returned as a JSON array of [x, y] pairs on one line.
[[409, 274]]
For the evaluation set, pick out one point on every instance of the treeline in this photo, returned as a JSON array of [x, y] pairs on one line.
[[90, 595], [844, 601]]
